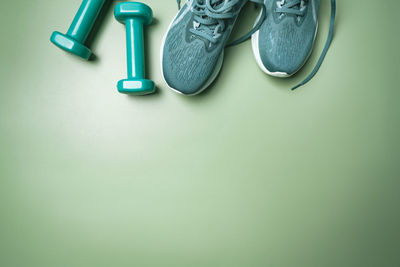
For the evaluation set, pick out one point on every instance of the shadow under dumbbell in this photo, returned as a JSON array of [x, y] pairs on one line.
[[149, 57], [98, 28]]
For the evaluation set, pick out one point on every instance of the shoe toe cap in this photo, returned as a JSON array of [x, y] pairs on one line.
[[187, 68]]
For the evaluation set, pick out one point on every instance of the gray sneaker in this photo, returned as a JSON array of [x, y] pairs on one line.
[[193, 47], [285, 40]]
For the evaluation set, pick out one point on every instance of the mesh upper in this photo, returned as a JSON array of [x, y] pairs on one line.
[[188, 61]]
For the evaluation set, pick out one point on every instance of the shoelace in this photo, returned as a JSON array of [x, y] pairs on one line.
[[294, 7], [211, 15]]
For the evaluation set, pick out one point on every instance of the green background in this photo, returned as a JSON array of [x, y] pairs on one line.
[[247, 174]]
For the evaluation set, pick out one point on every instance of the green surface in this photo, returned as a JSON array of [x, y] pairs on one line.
[[248, 174]]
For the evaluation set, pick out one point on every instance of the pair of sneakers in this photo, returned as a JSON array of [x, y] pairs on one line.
[[282, 39]]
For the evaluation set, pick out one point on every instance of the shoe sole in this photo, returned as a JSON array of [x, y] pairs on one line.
[[213, 76], [257, 55]]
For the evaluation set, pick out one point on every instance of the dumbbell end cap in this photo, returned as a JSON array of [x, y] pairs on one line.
[[70, 45], [136, 87], [131, 10]]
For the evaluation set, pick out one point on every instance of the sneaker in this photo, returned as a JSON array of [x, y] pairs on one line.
[[192, 50], [285, 40]]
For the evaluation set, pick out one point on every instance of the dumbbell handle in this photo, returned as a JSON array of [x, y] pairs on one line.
[[135, 48], [85, 19]]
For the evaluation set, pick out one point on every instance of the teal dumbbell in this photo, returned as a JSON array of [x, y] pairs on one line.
[[134, 15], [74, 40]]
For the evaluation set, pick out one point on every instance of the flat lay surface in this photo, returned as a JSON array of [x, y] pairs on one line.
[[246, 174]]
